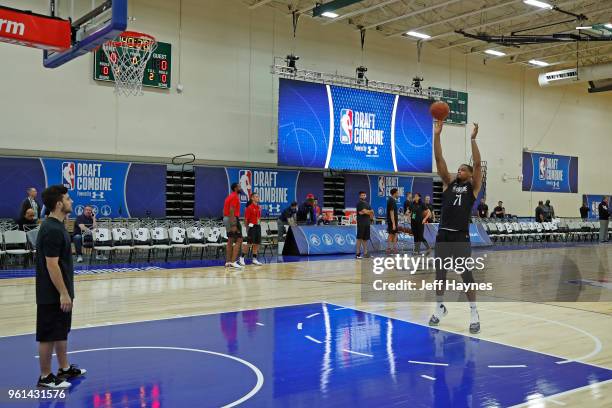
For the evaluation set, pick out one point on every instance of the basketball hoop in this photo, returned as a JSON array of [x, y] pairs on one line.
[[128, 55]]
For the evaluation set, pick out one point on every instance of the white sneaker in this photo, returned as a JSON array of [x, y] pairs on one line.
[[101, 258], [79, 259], [236, 265], [256, 262], [241, 261]]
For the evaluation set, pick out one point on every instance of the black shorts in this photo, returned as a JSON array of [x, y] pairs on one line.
[[228, 228], [254, 235], [52, 324], [363, 231], [453, 244], [389, 230]]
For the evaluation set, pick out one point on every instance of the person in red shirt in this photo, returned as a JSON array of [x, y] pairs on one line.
[[252, 217], [231, 220]]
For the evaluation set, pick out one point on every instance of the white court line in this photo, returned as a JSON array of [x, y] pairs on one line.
[[340, 308], [467, 335], [557, 402], [595, 339], [508, 366], [313, 315], [313, 339], [258, 373], [428, 363], [260, 324], [299, 325], [356, 352], [428, 377], [87, 326], [568, 392]]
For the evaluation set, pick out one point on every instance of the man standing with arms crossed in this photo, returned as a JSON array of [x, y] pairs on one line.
[[453, 239], [364, 216], [54, 290], [231, 220]]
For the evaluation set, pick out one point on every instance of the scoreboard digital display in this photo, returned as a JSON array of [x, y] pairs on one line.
[[458, 103], [157, 73]]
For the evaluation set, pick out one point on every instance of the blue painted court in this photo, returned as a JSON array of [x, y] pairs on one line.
[[304, 355]]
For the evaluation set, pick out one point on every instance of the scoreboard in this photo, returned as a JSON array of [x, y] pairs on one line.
[[457, 102], [157, 73]]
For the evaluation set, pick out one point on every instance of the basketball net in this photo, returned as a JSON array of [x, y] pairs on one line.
[[128, 55]]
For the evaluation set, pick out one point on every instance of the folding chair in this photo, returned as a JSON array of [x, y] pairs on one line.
[[161, 240], [178, 240], [141, 238], [102, 244], [122, 241], [196, 238], [16, 244]]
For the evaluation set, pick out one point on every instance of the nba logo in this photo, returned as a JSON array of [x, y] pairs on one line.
[[346, 126], [68, 175], [245, 178], [381, 186], [542, 172]]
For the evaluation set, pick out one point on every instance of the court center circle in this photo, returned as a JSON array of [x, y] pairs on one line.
[[258, 373]]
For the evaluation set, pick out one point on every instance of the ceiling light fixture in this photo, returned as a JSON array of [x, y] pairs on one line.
[[418, 35]]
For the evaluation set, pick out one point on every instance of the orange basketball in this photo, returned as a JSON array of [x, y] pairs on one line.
[[439, 110]]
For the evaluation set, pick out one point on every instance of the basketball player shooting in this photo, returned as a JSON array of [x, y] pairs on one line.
[[453, 239]]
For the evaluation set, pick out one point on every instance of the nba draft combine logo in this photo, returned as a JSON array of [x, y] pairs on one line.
[[359, 129], [385, 184], [68, 175], [549, 172], [265, 185], [245, 184]]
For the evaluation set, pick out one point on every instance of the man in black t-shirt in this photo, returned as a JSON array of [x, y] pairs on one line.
[[54, 290], [499, 211], [453, 239], [364, 217], [407, 204], [604, 219], [392, 220], [83, 225], [584, 211], [539, 212], [483, 209], [419, 214], [430, 207]]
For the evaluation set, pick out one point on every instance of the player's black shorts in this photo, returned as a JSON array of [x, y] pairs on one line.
[[389, 229], [254, 235], [52, 324], [453, 244], [228, 228], [363, 231]]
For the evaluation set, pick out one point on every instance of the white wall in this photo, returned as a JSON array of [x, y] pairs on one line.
[[228, 109]]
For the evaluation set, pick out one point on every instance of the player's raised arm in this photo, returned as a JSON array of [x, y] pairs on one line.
[[477, 174], [440, 162]]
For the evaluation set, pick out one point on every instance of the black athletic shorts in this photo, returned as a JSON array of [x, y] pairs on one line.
[[228, 228], [52, 324], [254, 235], [363, 231], [453, 244], [389, 230]]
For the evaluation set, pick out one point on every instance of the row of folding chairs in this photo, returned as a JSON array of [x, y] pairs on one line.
[[17, 244], [183, 237], [547, 231]]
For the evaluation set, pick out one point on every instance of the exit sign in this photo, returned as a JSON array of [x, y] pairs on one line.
[[157, 73]]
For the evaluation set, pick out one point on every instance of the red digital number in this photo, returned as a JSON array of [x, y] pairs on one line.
[[164, 65], [105, 71], [164, 78]]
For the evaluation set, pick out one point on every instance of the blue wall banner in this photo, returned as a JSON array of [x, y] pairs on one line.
[[113, 189], [276, 188], [550, 173], [327, 126], [341, 239], [378, 188], [593, 201]]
